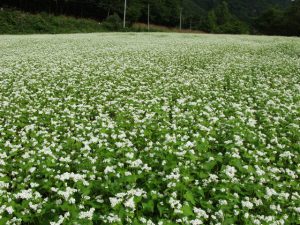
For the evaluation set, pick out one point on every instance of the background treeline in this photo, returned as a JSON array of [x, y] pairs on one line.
[[218, 16], [18, 22]]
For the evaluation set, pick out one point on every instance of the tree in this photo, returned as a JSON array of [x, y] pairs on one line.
[[292, 20], [220, 20], [271, 21], [222, 13], [275, 21], [110, 6], [212, 21], [230, 16]]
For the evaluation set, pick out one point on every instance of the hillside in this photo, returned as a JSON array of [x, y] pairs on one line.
[[162, 11], [246, 10], [243, 9], [216, 16]]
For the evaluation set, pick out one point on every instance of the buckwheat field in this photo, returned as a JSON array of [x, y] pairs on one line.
[[155, 129]]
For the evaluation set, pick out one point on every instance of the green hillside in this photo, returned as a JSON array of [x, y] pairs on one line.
[[280, 17]]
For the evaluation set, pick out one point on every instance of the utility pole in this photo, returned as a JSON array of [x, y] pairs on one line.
[[180, 23], [148, 17], [124, 20]]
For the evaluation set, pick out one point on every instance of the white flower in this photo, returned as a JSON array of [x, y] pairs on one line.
[[32, 169], [223, 202], [127, 173], [33, 206], [136, 163], [270, 192], [129, 155], [136, 192], [9, 210], [67, 193], [196, 222], [174, 175], [24, 194], [114, 201], [297, 209], [200, 213], [87, 214], [109, 169], [230, 171], [130, 203], [113, 218], [286, 154], [247, 204], [252, 122], [238, 140], [71, 176]]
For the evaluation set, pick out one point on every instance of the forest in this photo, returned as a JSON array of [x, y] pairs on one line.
[[273, 17]]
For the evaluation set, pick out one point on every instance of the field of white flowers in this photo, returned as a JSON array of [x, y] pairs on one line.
[[154, 129]]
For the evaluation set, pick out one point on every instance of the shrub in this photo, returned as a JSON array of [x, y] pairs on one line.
[[113, 22], [17, 22]]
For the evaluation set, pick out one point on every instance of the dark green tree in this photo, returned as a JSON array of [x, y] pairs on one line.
[[292, 21]]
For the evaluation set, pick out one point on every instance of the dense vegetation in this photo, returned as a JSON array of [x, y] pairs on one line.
[[16, 22], [278, 21], [172, 129], [218, 16]]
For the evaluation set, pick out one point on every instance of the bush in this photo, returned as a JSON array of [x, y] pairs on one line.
[[16, 22], [234, 27], [113, 22]]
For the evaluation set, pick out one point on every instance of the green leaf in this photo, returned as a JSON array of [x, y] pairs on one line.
[[161, 209], [148, 206], [229, 221], [201, 192], [187, 211], [209, 165], [131, 178], [189, 197]]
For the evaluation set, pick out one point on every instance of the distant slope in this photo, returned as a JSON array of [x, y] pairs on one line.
[[253, 8], [241, 8]]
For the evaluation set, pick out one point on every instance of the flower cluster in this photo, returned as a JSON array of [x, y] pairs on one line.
[[149, 129]]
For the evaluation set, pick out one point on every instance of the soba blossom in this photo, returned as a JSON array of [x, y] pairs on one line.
[[149, 129], [230, 171], [130, 203]]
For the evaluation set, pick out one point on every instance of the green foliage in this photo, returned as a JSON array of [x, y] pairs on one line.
[[218, 16], [271, 21], [16, 22], [220, 20], [190, 197], [212, 21], [292, 15], [113, 22], [277, 21], [187, 210]]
